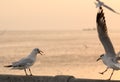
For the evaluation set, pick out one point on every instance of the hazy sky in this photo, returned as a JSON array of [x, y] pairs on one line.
[[54, 14]]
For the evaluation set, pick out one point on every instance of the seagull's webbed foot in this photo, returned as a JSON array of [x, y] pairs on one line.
[[109, 79], [27, 75], [101, 73], [31, 74], [104, 71]]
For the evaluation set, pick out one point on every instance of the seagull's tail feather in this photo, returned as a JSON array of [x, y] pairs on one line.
[[8, 66]]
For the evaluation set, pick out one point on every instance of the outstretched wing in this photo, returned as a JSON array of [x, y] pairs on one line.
[[110, 9], [103, 35]]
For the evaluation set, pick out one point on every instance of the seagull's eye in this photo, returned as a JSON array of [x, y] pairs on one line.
[[101, 55], [37, 50]]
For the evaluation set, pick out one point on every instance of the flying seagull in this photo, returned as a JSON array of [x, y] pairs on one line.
[[110, 58], [26, 62], [100, 3]]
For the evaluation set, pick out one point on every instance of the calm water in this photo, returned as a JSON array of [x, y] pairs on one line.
[[66, 52]]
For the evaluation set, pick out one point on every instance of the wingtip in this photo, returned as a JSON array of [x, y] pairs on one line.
[[8, 66], [117, 13], [100, 15]]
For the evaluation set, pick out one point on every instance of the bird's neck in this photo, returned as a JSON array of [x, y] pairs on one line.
[[32, 54]]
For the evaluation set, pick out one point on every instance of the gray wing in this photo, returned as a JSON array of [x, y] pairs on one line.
[[110, 9], [103, 35], [23, 62]]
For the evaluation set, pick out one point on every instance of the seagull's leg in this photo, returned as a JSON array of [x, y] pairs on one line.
[[30, 72], [104, 71], [25, 72], [111, 75]]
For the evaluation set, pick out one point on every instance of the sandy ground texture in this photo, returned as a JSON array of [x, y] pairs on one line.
[[66, 52]]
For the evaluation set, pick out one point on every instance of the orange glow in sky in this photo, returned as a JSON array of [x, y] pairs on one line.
[[54, 14]]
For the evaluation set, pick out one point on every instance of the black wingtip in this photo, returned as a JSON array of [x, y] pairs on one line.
[[100, 14], [8, 66]]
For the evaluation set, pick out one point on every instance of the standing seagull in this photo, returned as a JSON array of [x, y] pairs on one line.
[[26, 62], [110, 59], [100, 3]]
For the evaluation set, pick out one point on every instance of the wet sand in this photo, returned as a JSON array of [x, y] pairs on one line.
[[66, 52]]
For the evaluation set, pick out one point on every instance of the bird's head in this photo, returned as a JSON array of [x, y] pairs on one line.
[[37, 50], [100, 57]]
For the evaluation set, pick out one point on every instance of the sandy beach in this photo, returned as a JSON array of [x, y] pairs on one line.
[[70, 52]]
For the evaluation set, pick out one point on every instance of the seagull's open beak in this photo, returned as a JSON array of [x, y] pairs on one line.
[[98, 59], [41, 52]]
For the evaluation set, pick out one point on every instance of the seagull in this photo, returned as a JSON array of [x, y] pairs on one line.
[[27, 62], [110, 58], [100, 3]]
